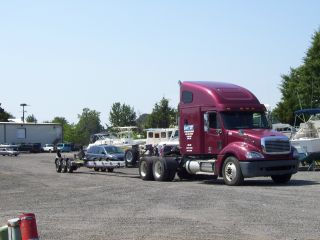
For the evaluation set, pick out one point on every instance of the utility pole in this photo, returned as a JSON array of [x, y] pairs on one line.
[[23, 111]]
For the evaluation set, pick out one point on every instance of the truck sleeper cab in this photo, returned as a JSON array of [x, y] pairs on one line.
[[224, 132]]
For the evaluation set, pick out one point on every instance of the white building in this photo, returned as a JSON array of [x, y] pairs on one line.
[[15, 133]]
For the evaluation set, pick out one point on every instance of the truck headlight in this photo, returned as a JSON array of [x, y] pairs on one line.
[[254, 155]]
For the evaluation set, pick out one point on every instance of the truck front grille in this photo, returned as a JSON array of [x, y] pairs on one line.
[[276, 145]]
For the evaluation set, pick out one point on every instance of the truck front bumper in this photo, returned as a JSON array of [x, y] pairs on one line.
[[259, 168]]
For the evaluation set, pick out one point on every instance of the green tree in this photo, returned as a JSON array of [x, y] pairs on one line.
[[142, 123], [301, 87], [31, 119], [4, 116], [89, 123], [162, 116], [69, 134], [60, 120], [122, 115]]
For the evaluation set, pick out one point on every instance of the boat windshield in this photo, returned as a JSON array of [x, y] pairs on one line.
[[245, 120], [113, 149]]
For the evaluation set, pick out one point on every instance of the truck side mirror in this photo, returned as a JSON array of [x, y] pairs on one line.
[[206, 122]]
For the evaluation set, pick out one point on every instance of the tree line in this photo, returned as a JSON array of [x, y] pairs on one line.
[[300, 88], [120, 115]]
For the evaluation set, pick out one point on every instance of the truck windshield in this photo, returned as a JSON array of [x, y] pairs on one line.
[[244, 120]]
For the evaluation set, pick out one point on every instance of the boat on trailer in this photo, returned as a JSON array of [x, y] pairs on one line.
[[307, 139]]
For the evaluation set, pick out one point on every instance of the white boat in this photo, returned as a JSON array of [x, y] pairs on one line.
[[123, 138], [307, 139], [284, 128]]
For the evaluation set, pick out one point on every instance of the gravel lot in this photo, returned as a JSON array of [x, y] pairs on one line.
[[119, 205]]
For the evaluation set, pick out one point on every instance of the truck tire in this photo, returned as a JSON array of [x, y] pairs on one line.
[[64, 165], [110, 169], [58, 165], [145, 169], [103, 169], [96, 169], [172, 166], [164, 169], [231, 172], [131, 157], [281, 178], [69, 167]]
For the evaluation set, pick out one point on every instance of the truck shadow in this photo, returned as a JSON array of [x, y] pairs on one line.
[[206, 180], [264, 183], [107, 174]]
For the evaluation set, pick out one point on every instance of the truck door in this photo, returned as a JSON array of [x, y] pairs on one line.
[[213, 134]]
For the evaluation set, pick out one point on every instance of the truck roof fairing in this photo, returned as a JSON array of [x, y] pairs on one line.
[[221, 96]]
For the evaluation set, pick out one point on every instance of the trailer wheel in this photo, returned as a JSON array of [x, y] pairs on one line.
[[231, 172], [110, 169], [131, 157], [96, 169], [69, 167], [103, 169], [281, 178], [64, 165], [164, 169], [58, 165], [145, 169]]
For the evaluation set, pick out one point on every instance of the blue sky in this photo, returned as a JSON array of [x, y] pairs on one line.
[[62, 56]]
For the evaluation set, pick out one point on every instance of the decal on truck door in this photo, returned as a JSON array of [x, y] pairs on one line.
[[189, 148], [188, 131]]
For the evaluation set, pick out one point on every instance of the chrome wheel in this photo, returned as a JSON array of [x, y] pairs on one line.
[[64, 165], [158, 169], [230, 171], [58, 165], [143, 169], [69, 167], [129, 156]]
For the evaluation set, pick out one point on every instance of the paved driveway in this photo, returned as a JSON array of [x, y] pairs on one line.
[[119, 205]]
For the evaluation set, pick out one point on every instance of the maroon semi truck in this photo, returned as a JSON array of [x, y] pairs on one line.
[[223, 131]]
